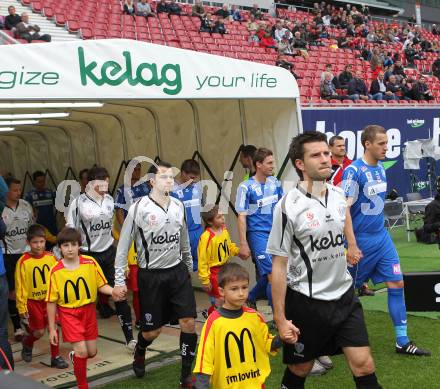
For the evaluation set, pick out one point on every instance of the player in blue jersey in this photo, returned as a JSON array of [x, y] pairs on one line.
[[369, 243], [256, 199], [42, 200], [189, 192]]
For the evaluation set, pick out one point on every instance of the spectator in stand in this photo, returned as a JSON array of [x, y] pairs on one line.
[[29, 32], [357, 89], [223, 12], [406, 89], [299, 42], [379, 91], [2, 22], [144, 9], [285, 45], [219, 26], [376, 61], [256, 12], [198, 9], [436, 68], [12, 19], [411, 54], [412, 20], [207, 24], [235, 13], [399, 70], [328, 90], [128, 7], [253, 39], [252, 25], [394, 86], [328, 69], [388, 61], [420, 91], [268, 42], [174, 8], [280, 31], [162, 7], [343, 41], [435, 30], [345, 77]]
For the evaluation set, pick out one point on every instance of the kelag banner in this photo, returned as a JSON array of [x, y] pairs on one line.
[[402, 125]]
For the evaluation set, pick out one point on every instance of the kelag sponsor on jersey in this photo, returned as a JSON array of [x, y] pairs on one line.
[[100, 226], [165, 239], [16, 232], [326, 242]]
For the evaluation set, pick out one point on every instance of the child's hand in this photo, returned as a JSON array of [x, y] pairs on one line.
[[24, 315], [53, 337], [207, 287], [127, 273]]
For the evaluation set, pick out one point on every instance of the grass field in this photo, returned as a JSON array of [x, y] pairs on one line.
[[394, 371]]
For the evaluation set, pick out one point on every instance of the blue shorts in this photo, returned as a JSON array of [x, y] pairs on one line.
[[258, 243], [380, 261], [194, 237]]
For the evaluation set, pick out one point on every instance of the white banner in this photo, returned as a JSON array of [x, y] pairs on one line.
[[129, 69]]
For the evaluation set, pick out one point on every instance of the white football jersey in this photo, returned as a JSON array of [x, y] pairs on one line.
[[17, 222]]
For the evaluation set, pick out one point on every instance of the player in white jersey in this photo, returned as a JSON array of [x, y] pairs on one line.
[[92, 214], [315, 307], [18, 217], [157, 225]]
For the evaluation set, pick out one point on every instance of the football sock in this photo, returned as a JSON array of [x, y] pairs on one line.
[[136, 306], [123, 312], [292, 381], [55, 350], [397, 310], [13, 314], [80, 370], [142, 343], [367, 382], [269, 294], [188, 344], [29, 340]]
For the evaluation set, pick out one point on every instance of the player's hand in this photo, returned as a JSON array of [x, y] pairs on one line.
[[245, 251], [207, 287], [288, 332], [119, 293], [354, 255], [53, 337]]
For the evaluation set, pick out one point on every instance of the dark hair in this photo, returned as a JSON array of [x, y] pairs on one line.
[[37, 174], [260, 155], [155, 167], [231, 272], [190, 166], [248, 151], [35, 231], [12, 180], [369, 133], [209, 216], [296, 149], [97, 173], [81, 173], [334, 138], [68, 235]]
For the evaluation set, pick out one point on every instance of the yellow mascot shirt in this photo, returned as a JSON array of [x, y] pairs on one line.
[[235, 352], [32, 278], [78, 287]]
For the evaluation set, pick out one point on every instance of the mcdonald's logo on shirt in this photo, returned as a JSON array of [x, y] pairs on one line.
[[42, 271], [240, 344], [76, 289]]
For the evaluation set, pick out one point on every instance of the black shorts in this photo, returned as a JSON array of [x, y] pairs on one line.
[[10, 264], [106, 259], [325, 326], [165, 295]]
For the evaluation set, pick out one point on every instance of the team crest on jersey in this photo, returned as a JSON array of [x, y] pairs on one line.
[[310, 215], [369, 176], [152, 220], [364, 168]]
